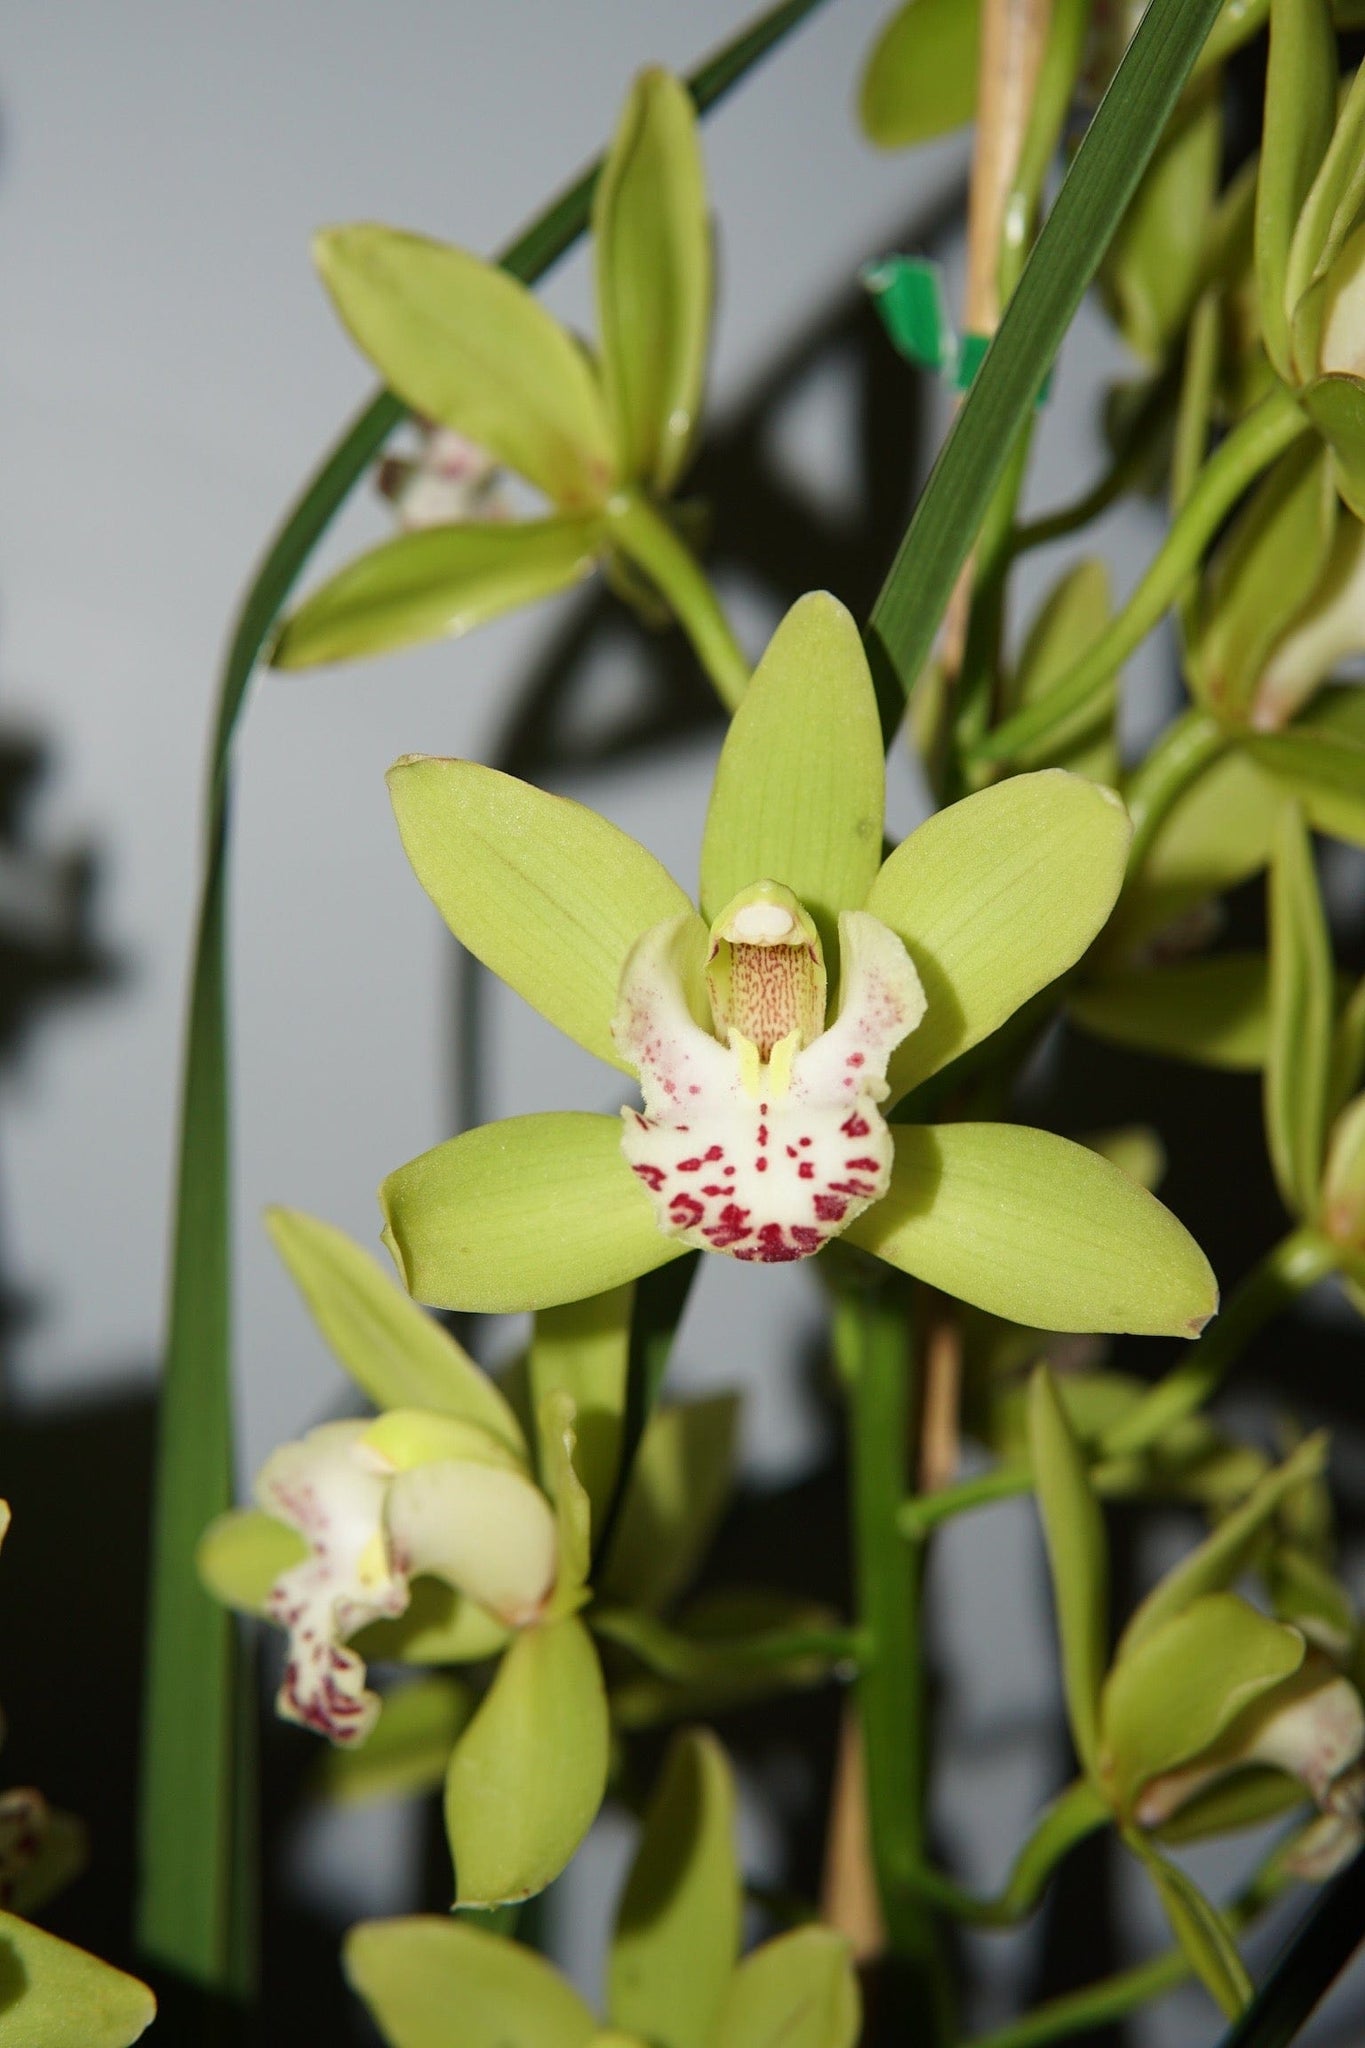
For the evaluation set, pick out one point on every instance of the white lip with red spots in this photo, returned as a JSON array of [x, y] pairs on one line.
[[763, 1159], [332, 1490]]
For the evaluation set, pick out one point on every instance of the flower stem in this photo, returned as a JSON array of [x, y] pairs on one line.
[[1296, 1263], [1189, 746], [1113, 1998], [642, 532], [875, 1352], [1270, 428]]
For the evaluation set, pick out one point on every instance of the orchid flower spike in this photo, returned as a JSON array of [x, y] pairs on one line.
[[772, 1035]]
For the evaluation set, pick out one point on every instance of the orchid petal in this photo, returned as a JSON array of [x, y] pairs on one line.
[[242, 1553], [436, 584], [994, 898], [1034, 1228], [583, 1348], [652, 238], [800, 1991], [487, 1532], [522, 1214], [333, 1494], [799, 788], [462, 342], [765, 1160], [528, 1774], [1180, 1689], [416, 1974], [547, 894], [677, 1934], [57, 1996], [677, 1491], [394, 1352]]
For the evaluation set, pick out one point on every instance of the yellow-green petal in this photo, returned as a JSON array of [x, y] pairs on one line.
[[416, 1974], [242, 1553], [1198, 1927], [678, 1925], [1066, 625], [523, 1214], [1176, 1692], [546, 893], [652, 245], [463, 343], [55, 1996], [920, 79], [1264, 576], [528, 1774], [678, 1487], [1336, 406], [583, 1348], [800, 1991], [800, 787], [398, 1355], [435, 585], [1300, 112], [1213, 1012], [1078, 1556], [1302, 1000], [994, 898], [1034, 1228]]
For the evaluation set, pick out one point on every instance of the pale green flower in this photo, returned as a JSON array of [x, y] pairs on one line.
[[774, 1033]]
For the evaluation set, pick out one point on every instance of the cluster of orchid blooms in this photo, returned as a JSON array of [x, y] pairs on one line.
[[778, 1036]]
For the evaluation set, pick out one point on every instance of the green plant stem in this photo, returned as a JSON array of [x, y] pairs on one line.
[[876, 1357], [194, 1782], [670, 1654], [642, 531], [1113, 1998], [1186, 748], [1073, 1815], [1271, 427], [1296, 1263], [919, 1516]]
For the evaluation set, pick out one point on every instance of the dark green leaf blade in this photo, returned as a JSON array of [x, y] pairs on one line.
[[1098, 186], [192, 1709]]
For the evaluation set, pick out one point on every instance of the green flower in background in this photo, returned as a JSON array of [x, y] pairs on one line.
[[763, 1131], [436, 1534], [1210, 1714], [1310, 234], [674, 1976], [496, 381]]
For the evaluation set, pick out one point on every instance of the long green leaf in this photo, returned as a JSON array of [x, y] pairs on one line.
[[190, 1769], [1098, 186]]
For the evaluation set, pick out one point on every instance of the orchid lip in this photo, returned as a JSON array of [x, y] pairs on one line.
[[768, 1143]]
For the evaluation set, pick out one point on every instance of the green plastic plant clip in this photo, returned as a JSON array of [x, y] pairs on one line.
[[908, 294]]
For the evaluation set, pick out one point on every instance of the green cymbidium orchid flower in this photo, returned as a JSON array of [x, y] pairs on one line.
[[421, 1537], [763, 1130], [499, 382], [1210, 1714], [674, 1977]]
